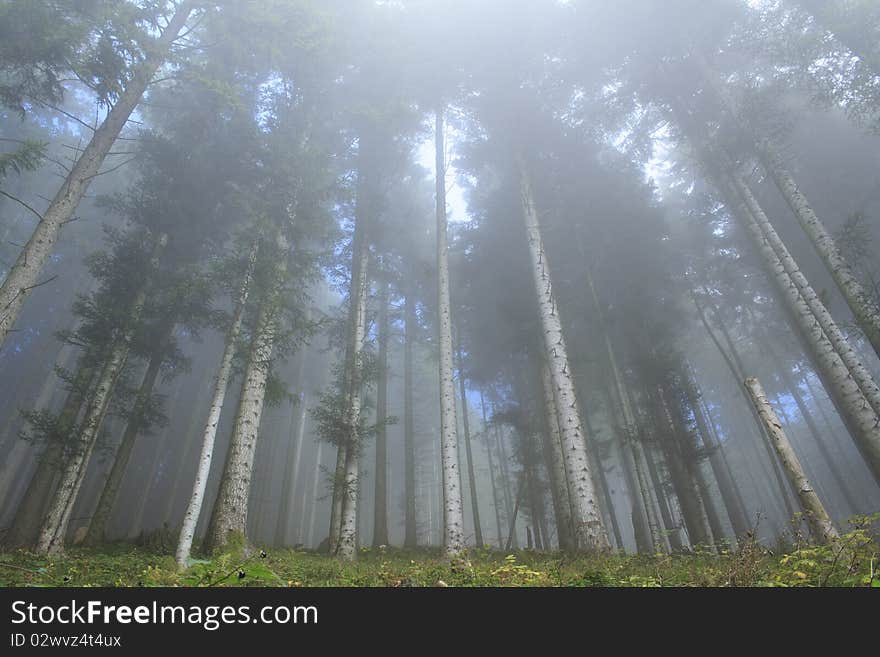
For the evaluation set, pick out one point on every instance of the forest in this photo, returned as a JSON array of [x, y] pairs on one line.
[[440, 293]]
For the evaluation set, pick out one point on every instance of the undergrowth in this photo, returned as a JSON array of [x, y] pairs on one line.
[[853, 562]]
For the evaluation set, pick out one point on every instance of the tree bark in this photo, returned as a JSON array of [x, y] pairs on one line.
[[27, 521], [862, 305], [54, 528], [22, 277], [194, 507], [833, 334], [409, 484], [97, 526], [453, 513], [380, 501], [496, 503], [588, 531], [726, 484], [820, 523], [856, 410], [472, 480], [556, 465]]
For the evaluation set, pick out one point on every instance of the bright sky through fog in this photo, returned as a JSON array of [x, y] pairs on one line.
[[456, 206]]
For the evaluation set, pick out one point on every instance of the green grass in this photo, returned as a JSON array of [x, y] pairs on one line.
[[853, 563]]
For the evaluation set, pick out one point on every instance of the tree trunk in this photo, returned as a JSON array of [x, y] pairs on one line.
[[673, 529], [55, 523], [472, 480], [644, 521], [853, 405], [380, 502], [291, 462], [588, 531], [313, 508], [734, 364], [605, 503], [54, 528], [98, 524], [818, 438], [506, 483], [820, 523], [684, 481], [194, 507], [26, 523], [228, 523], [453, 513], [556, 465], [726, 484], [833, 334], [409, 485], [863, 307], [22, 277], [291, 471], [496, 503]]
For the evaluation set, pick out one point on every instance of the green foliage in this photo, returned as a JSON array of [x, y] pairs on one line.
[[27, 157], [852, 563]]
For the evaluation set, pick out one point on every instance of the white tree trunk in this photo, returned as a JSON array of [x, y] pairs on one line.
[[194, 507], [229, 516], [589, 532], [858, 414], [556, 465], [54, 527], [22, 277], [820, 522], [347, 495], [453, 514], [640, 494], [863, 307], [847, 354]]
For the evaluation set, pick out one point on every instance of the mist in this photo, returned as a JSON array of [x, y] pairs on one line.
[[447, 278]]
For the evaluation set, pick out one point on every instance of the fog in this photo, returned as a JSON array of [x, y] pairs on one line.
[[547, 275]]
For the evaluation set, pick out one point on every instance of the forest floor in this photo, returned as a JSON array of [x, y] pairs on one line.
[[855, 563]]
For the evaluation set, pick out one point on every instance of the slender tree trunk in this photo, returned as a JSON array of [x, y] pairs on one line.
[[853, 404], [820, 522], [588, 531], [54, 528], [726, 484], [472, 480], [818, 438], [28, 517], [673, 529], [511, 536], [98, 525], [605, 503], [22, 277], [194, 507], [734, 364], [863, 307], [684, 480], [556, 465], [833, 334], [313, 508], [409, 475], [506, 483], [496, 504], [453, 513], [644, 522], [380, 502], [291, 470], [55, 523], [228, 523]]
